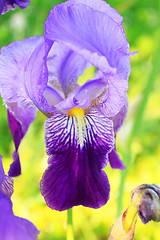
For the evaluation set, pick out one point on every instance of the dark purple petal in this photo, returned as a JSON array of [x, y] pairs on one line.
[[115, 160], [19, 120], [13, 227], [22, 3], [7, 5], [64, 67], [75, 176], [15, 167], [16, 129], [118, 121]]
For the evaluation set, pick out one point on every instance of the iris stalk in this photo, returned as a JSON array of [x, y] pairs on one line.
[[70, 232], [137, 124]]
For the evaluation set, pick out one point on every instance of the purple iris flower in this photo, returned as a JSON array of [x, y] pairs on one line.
[[82, 121], [7, 5], [11, 226]]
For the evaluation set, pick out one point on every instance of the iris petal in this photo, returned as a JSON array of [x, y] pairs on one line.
[[13, 227], [103, 45], [75, 176], [83, 95], [115, 96], [6, 182], [37, 77], [13, 61], [19, 119], [64, 67], [118, 121], [7, 5], [52, 96], [1, 171], [94, 88], [115, 160], [76, 25], [100, 6]]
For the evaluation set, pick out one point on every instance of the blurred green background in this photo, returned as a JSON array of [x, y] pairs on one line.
[[138, 142]]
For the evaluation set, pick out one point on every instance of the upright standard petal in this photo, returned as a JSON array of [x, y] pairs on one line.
[[104, 45], [94, 31], [100, 6], [77, 145], [64, 68]]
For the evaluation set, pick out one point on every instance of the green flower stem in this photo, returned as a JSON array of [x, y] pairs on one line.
[[70, 232], [137, 124]]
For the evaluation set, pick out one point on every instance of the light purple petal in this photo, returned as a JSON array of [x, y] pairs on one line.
[[94, 88], [100, 6], [82, 102], [13, 61], [72, 101], [37, 78], [64, 67], [12, 227], [22, 95], [95, 32], [75, 176], [92, 34], [23, 75], [1, 171], [119, 119], [83, 95], [52, 96], [115, 96]]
